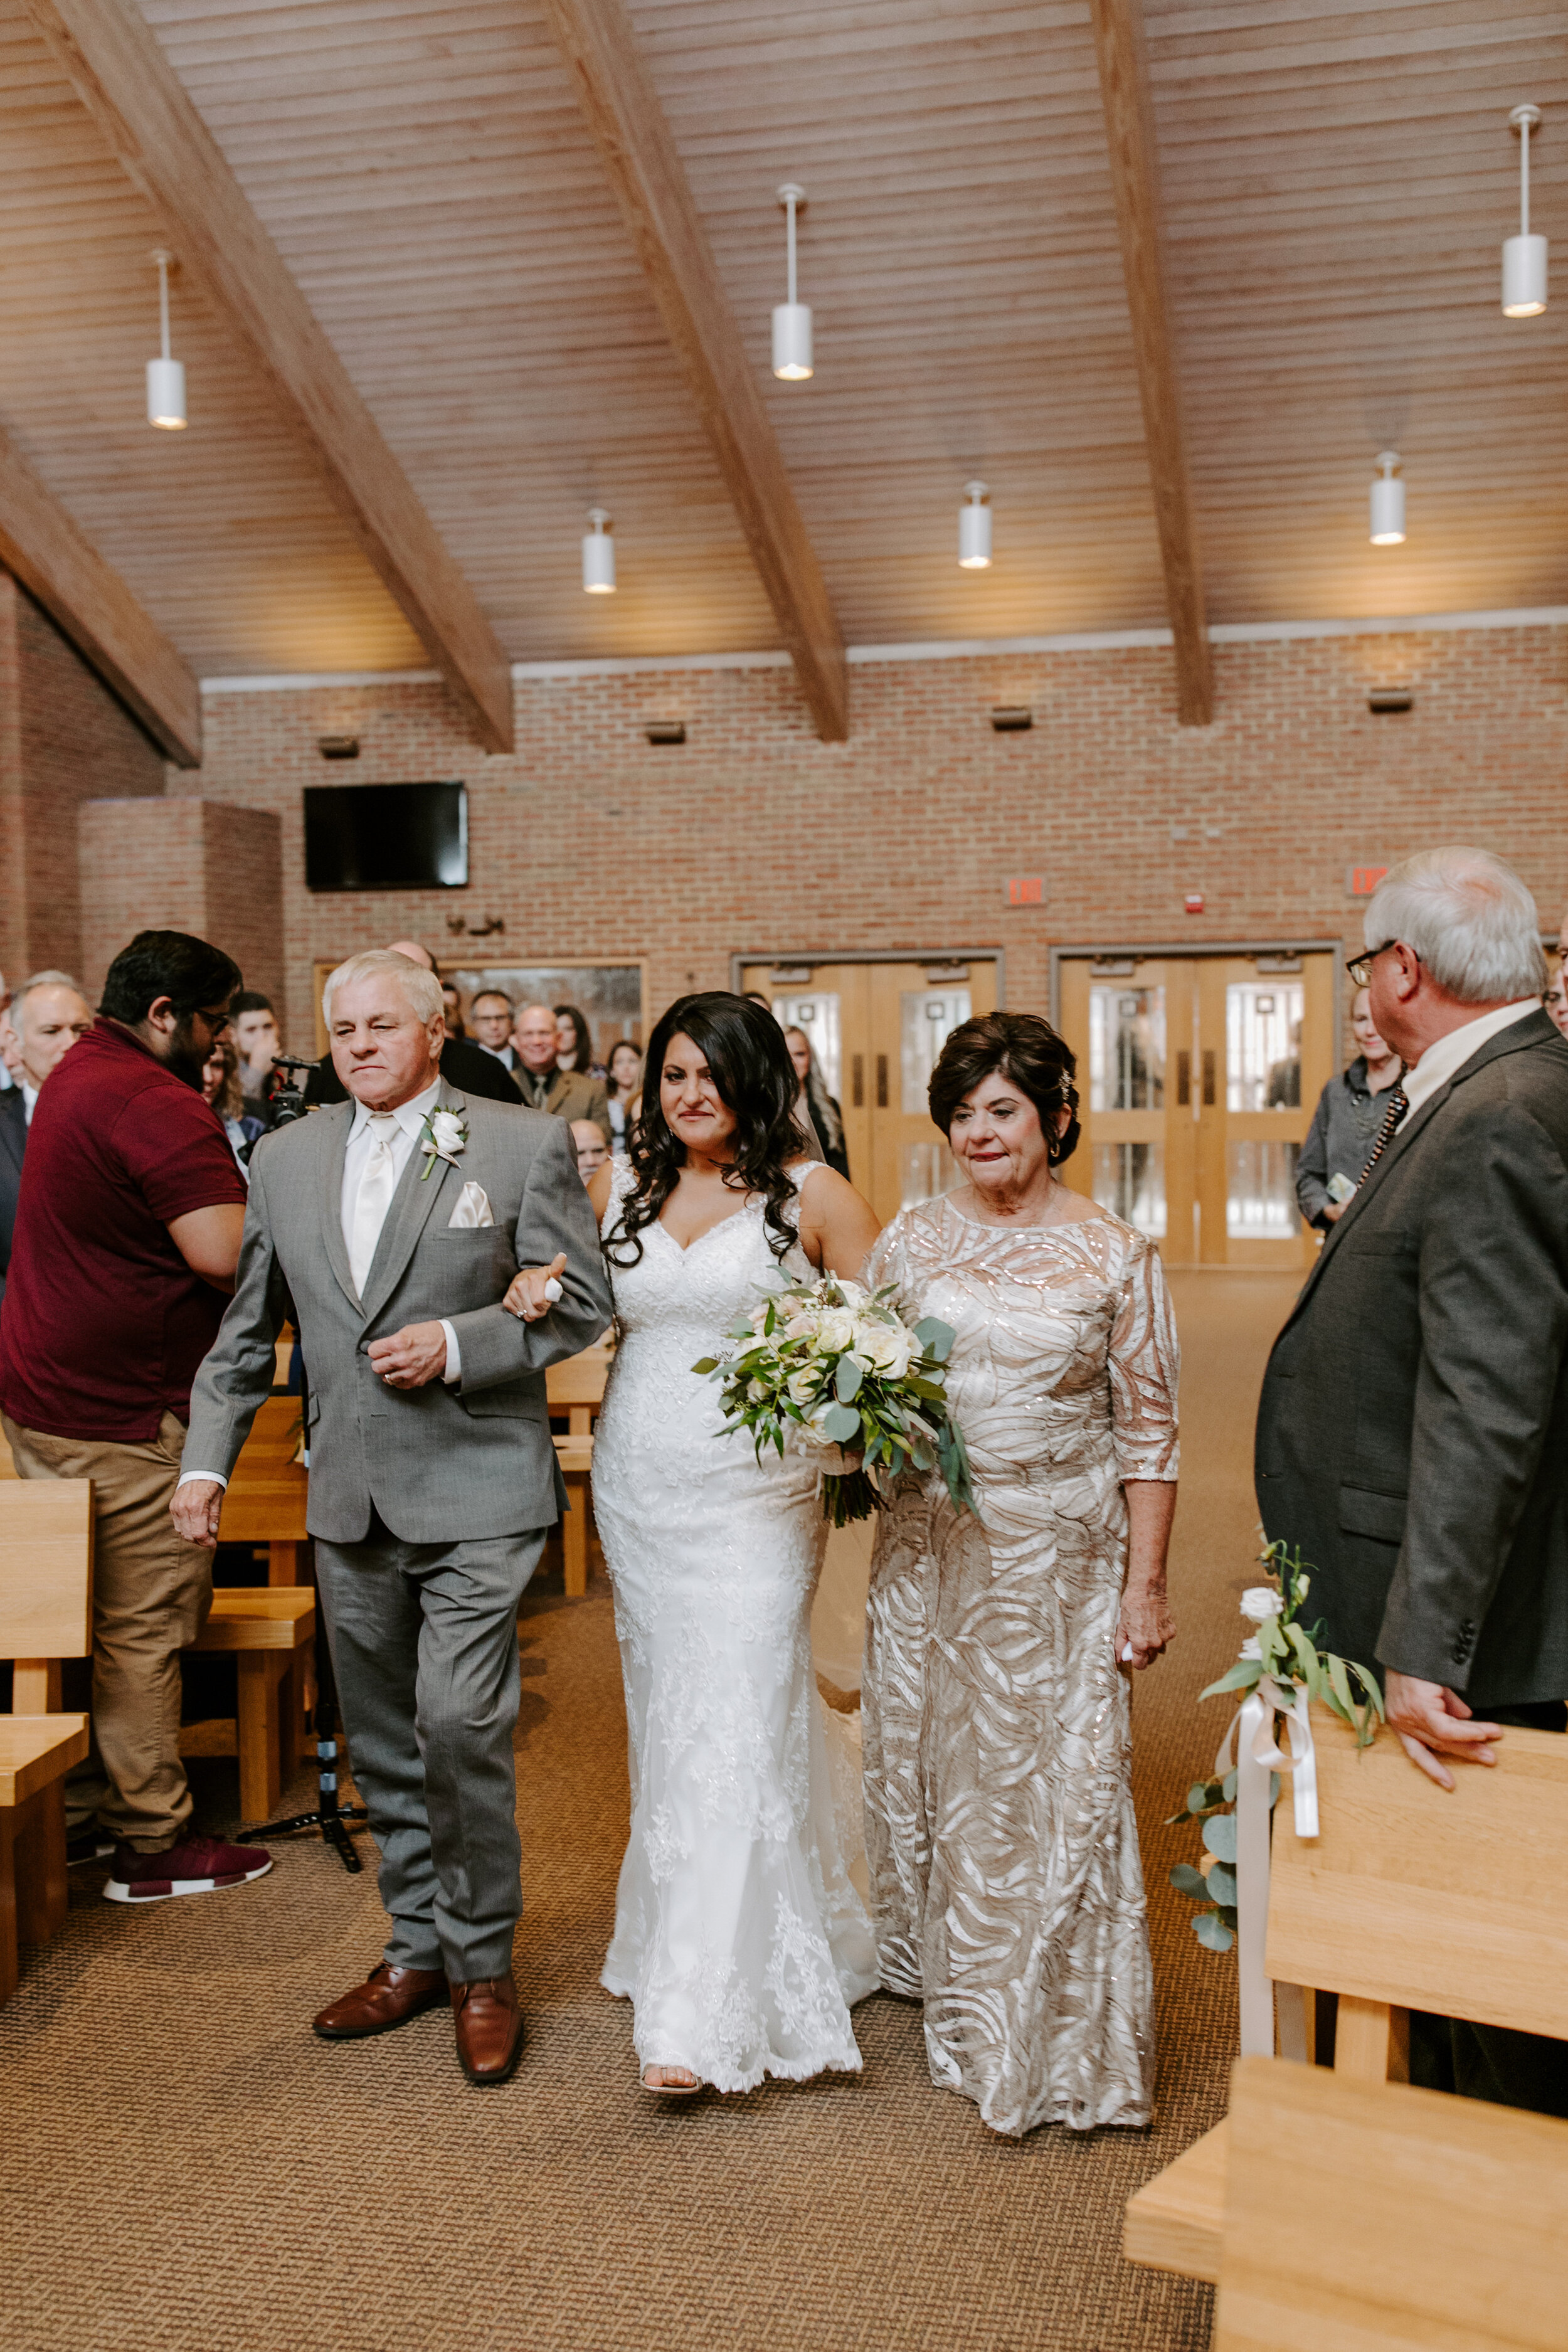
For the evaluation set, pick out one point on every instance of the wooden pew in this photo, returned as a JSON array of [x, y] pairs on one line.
[[265, 1503], [46, 1614], [575, 1389], [267, 1628], [1410, 1898], [1373, 2216]]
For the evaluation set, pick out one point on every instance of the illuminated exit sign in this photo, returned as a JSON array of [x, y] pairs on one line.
[[1026, 890], [1361, 881]]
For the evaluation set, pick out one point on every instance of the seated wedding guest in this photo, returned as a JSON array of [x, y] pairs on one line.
[[1556, 999], [1006, 1889], [452, 1009], [574, 1042], [1344, 1126], [566, 1093], [220, 1087], [822, 1113], [588, 1142], [253, 1027], [1412, 1428], [127, 1237], [464, 1065], [623, 1086], [490, 1012]]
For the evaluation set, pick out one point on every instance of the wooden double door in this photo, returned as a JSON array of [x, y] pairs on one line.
[[1199, 1075], [877, 1029]]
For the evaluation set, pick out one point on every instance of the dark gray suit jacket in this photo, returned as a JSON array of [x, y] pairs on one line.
[[1413, 1429], [439, 1464], [13, 1144]]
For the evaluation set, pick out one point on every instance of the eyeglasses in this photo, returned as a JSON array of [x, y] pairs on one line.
[[1359, 966]]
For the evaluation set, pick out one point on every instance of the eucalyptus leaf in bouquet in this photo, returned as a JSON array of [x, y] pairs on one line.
[[830, 1367]]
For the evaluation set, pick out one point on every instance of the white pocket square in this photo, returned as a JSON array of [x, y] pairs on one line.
[[473, 1209]]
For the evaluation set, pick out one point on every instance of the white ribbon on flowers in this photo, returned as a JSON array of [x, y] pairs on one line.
[[1251, 1745]]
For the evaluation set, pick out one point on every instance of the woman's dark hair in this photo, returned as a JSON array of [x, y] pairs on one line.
[[583, 1050], [612, 1084], [744, 1049], [195, 977], [1016, 1046]]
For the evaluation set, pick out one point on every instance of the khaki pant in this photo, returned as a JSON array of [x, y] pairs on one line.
[[151, 1594]]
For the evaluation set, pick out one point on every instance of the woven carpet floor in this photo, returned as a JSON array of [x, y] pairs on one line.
[[183, 2168]]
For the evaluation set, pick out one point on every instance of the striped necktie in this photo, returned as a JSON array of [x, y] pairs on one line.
[[1397, 1107]]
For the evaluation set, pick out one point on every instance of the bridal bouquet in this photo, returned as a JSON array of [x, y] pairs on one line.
[[831, 1366]]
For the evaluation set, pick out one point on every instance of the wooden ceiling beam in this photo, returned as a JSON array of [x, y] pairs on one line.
[[44, 548], [633, 138], [128, 86], [1135, 177]]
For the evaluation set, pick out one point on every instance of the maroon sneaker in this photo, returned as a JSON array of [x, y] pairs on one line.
[[198, 1866]]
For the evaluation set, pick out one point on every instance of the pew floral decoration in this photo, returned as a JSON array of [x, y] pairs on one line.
[[1281, 1669]]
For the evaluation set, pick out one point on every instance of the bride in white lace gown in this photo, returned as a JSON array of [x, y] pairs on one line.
[[739, 1937]]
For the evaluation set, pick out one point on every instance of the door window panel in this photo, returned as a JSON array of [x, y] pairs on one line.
[[1263, 1044], [816, 1017], [1126, 1050], [1260, 1191], [926, 1171], [1129, 1180], [927, 1019]]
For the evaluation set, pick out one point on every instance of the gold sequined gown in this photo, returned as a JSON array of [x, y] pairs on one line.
[[1007, 1892]]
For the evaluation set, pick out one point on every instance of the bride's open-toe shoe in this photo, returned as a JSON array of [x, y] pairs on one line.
[[684, 2084]]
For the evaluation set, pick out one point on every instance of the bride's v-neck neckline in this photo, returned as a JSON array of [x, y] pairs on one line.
[[685, 1248]]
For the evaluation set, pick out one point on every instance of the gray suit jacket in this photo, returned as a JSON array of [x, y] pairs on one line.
[[1413, 1429], [437, 1462]]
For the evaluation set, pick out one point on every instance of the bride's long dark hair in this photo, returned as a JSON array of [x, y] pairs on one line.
[[745, 1048]]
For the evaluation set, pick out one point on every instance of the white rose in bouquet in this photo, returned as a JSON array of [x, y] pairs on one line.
[[801, 1387], [887, 1347], [836, 1332]]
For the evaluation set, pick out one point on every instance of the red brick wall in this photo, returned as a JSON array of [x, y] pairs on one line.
[[182, 864], [756, 836], [63, 739]]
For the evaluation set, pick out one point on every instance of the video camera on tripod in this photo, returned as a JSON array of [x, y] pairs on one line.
[[288, 1103]]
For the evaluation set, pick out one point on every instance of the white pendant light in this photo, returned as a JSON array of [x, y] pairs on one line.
[[792, 319], [1524, 257], [974, 529], [166, 377], [598, 555], [1388, 502]]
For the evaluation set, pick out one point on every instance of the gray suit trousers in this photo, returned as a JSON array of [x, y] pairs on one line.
[[424, 1639]]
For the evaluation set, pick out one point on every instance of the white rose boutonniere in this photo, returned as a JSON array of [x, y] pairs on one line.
[[445, 1135]]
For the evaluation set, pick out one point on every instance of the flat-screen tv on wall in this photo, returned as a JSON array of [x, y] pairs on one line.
[[386, 836]]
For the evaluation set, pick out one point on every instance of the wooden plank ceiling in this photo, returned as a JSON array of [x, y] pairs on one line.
[[1336, 182]]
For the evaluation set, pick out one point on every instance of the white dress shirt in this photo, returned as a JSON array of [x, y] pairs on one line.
[[410, 1118], [29, 1101], [1439, 1062]]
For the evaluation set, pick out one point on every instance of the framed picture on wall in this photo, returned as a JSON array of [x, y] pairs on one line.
[[609, 995]]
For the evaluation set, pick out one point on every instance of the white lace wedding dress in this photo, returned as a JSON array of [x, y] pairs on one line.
[[739, 1937]]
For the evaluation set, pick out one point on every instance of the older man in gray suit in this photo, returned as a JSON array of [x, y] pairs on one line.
[[391, 1226], [1413, 1430]]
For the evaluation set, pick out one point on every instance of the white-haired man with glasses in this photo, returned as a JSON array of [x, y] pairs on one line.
[[1413, 1430]]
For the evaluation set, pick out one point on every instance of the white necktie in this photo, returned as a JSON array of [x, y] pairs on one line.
[[377, 1184]]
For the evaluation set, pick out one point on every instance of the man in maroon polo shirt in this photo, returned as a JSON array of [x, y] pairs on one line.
[[127, 1225]]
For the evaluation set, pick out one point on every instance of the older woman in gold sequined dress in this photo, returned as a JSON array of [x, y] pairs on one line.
[[1007, 1892]]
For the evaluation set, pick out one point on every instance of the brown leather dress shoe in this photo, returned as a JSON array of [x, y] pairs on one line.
[[489, 2028], [388, 1997]]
